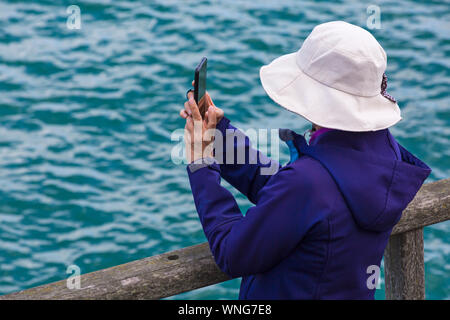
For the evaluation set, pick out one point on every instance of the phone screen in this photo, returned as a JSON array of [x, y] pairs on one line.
[[200, 86]]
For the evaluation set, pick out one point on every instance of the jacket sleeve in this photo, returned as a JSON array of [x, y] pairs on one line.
[[244, 167], [256, 242]]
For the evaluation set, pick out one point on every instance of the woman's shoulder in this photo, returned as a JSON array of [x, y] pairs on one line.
[[306, 172]]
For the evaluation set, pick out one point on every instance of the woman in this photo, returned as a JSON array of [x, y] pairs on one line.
[[321, 222]]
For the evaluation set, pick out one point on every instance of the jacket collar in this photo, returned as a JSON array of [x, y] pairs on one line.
[[369, 142]]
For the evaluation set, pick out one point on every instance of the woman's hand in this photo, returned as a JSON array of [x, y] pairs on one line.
[[199, 133]]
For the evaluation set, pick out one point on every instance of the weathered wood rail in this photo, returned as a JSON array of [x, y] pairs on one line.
[[194, 267]]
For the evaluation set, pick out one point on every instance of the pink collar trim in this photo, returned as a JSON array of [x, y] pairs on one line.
[[318, 133]]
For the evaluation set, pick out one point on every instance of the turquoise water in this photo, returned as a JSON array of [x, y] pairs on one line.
[[86, 116]]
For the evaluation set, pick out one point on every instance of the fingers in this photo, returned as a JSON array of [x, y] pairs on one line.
[[193, 125], [192, 114], [189, 124], [210, 124], [183, 114], [212, 118], [193, 83], [208, 99], [193, 107], [217, 111], [187, 108]]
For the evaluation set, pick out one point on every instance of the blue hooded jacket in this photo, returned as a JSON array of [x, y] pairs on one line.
[[318, 223]]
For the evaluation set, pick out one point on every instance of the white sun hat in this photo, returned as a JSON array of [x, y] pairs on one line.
[[334, 80]]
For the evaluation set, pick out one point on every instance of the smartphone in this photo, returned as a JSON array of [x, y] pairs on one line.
[[200, 86]]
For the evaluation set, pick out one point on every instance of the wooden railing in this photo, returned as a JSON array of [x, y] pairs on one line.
[[193, 267]]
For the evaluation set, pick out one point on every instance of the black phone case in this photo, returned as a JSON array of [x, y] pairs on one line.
[[197, 77]]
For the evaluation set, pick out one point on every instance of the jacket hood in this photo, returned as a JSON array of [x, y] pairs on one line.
[[376, 176]]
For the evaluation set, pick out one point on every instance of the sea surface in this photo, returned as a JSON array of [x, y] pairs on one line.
[[87, 116]]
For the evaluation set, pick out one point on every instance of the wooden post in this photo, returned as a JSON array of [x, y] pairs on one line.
[[404, 266]]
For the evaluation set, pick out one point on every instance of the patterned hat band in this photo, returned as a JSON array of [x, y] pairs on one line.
[[383, 89]]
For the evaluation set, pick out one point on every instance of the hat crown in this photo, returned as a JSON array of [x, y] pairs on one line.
[[344, 57]]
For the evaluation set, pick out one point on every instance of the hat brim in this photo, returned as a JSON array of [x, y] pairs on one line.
[[291, 88]]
